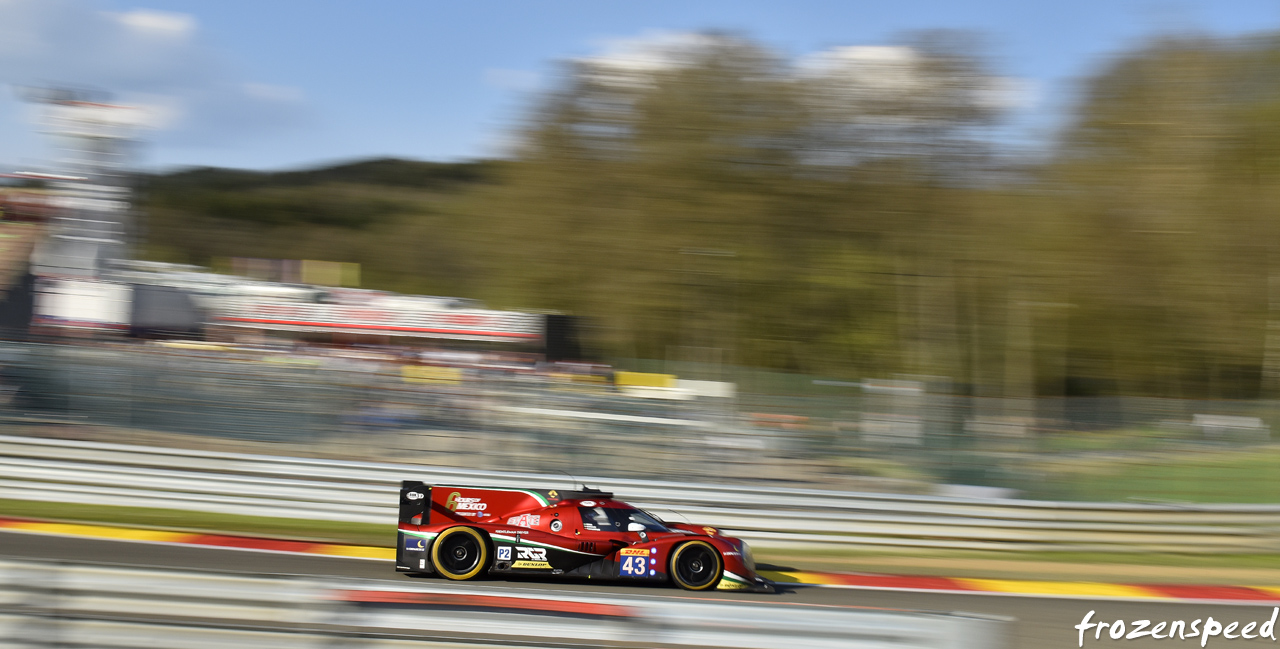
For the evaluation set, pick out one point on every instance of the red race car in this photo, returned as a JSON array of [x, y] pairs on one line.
[[464, 532]]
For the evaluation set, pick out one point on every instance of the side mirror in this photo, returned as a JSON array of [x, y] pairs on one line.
[[635, 527]]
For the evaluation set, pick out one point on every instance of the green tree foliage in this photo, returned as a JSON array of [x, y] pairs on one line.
[[716, 197], [849, 214], [1169, 173]]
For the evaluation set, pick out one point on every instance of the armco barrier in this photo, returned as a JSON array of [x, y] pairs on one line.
[[71, 605], [257, 485]]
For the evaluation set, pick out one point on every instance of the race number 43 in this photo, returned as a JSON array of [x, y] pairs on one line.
[[633, 566]]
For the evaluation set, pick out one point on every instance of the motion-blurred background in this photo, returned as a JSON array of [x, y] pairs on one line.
[[1030, 257], [969, 290]]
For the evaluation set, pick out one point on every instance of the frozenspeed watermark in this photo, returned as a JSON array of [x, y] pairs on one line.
[[1177, 629]]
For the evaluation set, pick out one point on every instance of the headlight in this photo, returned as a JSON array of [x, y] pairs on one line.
[[747, 558]]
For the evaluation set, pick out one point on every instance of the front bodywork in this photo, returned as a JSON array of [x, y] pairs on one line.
[[559, 534]]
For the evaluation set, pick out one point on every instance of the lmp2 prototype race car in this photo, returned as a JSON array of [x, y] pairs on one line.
[[465, 532]]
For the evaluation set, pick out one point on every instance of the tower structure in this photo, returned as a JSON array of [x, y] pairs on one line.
[[93, 223]]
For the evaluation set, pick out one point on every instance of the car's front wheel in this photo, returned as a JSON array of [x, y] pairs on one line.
[[460, 553], [696, 565]]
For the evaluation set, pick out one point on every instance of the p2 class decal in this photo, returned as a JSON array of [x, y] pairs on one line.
[[504, 553]]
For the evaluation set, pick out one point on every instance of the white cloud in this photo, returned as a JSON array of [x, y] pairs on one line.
[[152, 59], [161, 23], [652, 50], [633, 61], [875, 68], [871, 78]]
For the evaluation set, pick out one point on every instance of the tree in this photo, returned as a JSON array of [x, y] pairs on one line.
[[817, 184]]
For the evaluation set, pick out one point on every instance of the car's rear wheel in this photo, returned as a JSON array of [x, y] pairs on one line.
[[696, 565], [460, 553]]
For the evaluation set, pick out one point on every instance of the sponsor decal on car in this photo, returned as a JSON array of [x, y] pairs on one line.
[[525, 520], [414, 545], [634, 552], [457, 503], [636, 565], [553, 494], [414, 495], [504, 553], [588, 503], [535, 554], [731, 581], [710, 531], [534, 565]]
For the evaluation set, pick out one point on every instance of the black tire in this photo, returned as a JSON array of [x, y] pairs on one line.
[[460, 553], [696, 565]]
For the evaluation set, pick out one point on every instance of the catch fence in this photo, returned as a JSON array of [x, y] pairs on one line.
[[906, 435]]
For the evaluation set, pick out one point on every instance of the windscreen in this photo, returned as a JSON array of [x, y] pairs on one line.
[[616, 519]]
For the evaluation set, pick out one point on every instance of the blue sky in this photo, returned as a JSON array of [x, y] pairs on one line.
[[272, 84]]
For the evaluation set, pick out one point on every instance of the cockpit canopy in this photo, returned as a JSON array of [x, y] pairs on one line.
[[615, 518]]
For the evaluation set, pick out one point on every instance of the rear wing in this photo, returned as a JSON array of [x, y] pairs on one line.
[[415, 502]]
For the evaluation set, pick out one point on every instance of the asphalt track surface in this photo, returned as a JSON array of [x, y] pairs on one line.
[[1041, 622]]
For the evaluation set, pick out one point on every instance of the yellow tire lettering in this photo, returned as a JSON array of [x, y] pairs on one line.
[[481, 562], [675, 561]]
